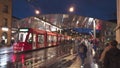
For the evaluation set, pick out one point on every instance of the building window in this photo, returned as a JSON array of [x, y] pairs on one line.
[[5, 9], [5, 22], [4, 38]]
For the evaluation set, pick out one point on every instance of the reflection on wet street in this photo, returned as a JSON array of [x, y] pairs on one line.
[[33, 59], [53, 57]]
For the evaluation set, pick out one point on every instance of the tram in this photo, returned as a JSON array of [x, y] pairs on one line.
[[32, 38]]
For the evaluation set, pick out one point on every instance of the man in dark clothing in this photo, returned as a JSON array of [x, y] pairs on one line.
[[112, 57], [82, 51]]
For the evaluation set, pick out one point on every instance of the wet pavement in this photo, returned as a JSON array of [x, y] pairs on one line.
[[33, 59], [5, 50], [54, 57], [5, 57]]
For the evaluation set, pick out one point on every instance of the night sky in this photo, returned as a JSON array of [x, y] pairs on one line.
[[101, 9]]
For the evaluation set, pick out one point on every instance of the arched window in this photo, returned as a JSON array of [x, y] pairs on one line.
[[4, 37]]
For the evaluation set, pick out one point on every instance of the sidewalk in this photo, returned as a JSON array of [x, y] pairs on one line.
[[76, 63], [72, 61]]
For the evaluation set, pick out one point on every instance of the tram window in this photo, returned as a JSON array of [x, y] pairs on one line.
[[49, 39], [30, 40], [34, 37], [40, 39], [54, 38], [58, 38], [22, 36]]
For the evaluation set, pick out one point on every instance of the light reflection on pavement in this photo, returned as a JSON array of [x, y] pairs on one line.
[[33, 59], [39, 59], [4, 50]]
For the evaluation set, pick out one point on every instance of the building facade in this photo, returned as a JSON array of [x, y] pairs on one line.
[[5, 21], [118, 22]]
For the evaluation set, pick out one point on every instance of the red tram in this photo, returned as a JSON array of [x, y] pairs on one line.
[[31, 39]]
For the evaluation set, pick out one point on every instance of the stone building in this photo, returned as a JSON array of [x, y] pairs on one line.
[[5, 21]]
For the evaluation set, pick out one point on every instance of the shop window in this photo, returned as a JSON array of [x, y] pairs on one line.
[[5, 9]]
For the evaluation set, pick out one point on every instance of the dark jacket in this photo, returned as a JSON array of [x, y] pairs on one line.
[[82, 48], [112, 58]]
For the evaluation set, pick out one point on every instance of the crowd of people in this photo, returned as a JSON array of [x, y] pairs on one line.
[[106, 57]]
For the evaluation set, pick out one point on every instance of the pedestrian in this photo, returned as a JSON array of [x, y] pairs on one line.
[[102, 55], [112, 56], [108, 46], [82, 51]]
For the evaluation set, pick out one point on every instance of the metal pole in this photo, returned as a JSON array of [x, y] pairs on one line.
[[94, 28]]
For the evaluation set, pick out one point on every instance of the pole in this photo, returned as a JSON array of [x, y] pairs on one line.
[[94, 28]]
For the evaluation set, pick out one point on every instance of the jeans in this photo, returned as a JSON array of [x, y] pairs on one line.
[[82, 56]]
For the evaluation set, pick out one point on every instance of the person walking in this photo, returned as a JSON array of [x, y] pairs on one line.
[[82, 51], [102, 56], [103, 53], [112, 56]]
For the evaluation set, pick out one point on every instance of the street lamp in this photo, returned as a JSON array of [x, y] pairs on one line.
[[71, 9], [37, 12]]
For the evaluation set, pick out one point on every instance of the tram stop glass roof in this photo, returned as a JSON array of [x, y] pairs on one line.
[[62, 22]]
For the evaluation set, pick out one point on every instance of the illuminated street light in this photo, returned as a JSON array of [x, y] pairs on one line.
[[37, 12], [71, 9]]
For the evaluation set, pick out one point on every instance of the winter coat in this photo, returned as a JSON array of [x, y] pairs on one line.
[[112, 58]]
